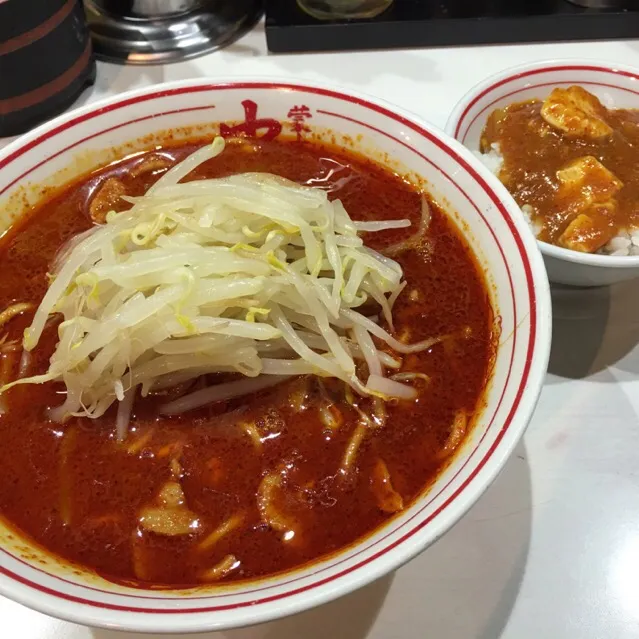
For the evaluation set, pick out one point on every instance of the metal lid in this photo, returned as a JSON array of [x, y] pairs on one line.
[[160, 31]]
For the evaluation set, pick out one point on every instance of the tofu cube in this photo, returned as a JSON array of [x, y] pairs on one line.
[[576, 112], [589, 231], [586, 181]]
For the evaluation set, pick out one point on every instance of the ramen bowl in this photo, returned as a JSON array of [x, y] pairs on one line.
[[477, 203], [617, 86]]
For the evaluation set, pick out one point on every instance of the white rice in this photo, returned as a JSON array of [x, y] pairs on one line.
[[625, 243], [493, 160]]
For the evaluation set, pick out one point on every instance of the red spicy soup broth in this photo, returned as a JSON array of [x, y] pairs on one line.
[[78, 492]]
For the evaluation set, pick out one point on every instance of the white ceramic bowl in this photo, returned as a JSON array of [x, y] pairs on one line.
[[614, 85], [504, 246]]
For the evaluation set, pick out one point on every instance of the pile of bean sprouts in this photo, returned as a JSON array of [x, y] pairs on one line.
[[250, 274]]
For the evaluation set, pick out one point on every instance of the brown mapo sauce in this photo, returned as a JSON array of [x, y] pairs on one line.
[[571, 164]]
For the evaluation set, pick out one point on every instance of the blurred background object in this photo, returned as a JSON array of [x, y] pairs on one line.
[[344, 9], [607, 4], [46, 60], [159, 31]]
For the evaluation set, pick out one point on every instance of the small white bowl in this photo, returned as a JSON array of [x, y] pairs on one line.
[[615, 85], [504, 246]]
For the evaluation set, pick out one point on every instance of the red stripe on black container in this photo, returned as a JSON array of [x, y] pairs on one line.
[[31, 35], [46, 60]]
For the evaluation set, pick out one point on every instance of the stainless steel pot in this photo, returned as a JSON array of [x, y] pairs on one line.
[[147, 8], [159, 31]]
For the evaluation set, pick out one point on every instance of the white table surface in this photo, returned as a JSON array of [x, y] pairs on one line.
[[551, 551]]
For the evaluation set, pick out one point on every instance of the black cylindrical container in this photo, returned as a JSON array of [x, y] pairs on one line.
[[46, 60]]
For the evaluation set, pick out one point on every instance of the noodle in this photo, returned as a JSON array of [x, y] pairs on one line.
[[66, 448], [220, 570], [266, 497], [12, 311], [414, 240], [251, 430], [351, 449], [388, 499], [222, 530], [457, 434]]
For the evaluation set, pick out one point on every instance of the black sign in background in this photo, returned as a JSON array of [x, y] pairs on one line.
[[422, 23]]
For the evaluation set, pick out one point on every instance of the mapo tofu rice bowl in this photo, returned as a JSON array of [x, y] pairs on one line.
[[260, 344], [562, 138]]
